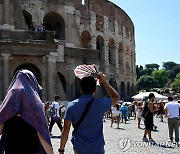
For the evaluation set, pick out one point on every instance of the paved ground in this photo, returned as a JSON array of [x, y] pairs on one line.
[[128, 139]]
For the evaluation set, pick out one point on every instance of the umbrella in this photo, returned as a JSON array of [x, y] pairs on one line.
[[143, 95]]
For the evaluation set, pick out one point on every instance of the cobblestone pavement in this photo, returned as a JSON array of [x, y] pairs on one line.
[[127, 139]]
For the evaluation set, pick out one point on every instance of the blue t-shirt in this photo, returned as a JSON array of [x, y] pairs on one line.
[[88, 138], [124, 109]]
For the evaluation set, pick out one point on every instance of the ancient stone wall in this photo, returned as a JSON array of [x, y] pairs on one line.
[[67, 33]]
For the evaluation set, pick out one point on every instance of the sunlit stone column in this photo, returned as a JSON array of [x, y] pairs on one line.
[[6, 9], [5, 71]]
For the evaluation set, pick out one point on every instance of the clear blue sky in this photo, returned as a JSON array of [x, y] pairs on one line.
[[157, 29]]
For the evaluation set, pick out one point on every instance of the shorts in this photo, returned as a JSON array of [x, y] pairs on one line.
[[115, 115], [124, 116], [148, 125]]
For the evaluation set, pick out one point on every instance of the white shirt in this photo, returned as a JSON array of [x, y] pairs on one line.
[[63, 109], [56, 106], [173, 109], [115, 112]]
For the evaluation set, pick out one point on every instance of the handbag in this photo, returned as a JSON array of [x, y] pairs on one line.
[[82, 116], [143, 116]]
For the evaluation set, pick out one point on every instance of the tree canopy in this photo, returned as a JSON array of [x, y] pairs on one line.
[[152, 66], [158, 78], [175, 86], [169, 65], [146, 82], [161, 77]]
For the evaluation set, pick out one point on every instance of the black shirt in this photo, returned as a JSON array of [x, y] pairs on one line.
[[20, 137]]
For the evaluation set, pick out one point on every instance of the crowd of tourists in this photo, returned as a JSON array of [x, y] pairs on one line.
[[144, 112], [26, 123]]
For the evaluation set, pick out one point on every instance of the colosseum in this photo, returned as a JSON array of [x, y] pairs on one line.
[[52, 37]]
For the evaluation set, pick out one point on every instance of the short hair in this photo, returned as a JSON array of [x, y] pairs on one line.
[[56, 97], [151, 95], [88, 85], [170, 98]]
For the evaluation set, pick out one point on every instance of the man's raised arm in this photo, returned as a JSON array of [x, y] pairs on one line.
[[112, 92]]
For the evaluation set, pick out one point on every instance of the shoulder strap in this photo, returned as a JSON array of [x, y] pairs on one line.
[[82, 116]]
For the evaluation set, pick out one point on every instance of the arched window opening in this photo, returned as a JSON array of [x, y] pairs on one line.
[[113, 83], [111, 51], [128, 91], [86, 39], [54, 22], [63, 80], [100, 23], [77, 88], [28, 19], [100, 47], [122, 91], [132, 90], [33, 68]]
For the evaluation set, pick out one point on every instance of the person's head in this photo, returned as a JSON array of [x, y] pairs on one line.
[[117, 106], [88, 85], [151, 97], [139, 104], [56, 98], [135, 103], [170, 98]]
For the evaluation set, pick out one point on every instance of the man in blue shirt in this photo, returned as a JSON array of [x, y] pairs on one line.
[[88, 138]]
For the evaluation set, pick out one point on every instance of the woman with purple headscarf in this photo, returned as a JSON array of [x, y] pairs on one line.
[[22, 119]]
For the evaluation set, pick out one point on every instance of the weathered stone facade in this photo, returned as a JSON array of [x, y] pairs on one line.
[[52, 37]]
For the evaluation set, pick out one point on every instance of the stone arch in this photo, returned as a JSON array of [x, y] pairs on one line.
[[113, 83], [111, 51], [53, 21], [33, 68], [100, 23], [100, 47], [122, 91], [132, 90], [77, 88], [63, 80], [86, 39], [28, 18], [128, 91]]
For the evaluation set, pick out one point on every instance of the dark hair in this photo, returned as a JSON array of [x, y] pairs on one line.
[[117, 106], [151, 95], [139, 104], [170, 98], [88, 85], [56, 97]]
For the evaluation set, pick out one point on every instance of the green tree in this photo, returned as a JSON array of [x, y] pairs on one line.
[[146, 82], [174, 72], [175, 86], [153, 66], [146, 71], [161, 77], [169, 65], [138, 69]]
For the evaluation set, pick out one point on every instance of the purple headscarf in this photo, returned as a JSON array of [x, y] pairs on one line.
[[23, 98]]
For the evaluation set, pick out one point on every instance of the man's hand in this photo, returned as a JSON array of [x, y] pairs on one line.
[[102, 77]]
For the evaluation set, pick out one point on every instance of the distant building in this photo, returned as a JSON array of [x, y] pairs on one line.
[[52, 37]]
